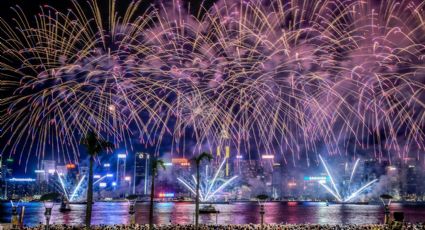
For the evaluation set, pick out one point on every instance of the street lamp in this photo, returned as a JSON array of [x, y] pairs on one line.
[[131, 199], [48, 205], [15, 218], [262, 198], [48, 201], [386, 200]]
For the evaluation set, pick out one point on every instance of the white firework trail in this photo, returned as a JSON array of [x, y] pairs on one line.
[[335, 191], [208, 191]]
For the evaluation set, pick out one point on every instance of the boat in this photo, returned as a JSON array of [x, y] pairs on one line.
[[215, 202], [356, 203], [208, 209], [79, 202]]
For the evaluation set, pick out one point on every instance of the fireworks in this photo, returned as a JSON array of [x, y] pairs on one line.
[[76, 191], [262, 76], [335, 192], [77, 188], [208, 188]]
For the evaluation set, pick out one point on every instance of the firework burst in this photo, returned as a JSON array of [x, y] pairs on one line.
[[262, 76]]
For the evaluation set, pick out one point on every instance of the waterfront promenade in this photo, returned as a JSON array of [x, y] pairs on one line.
[[406, 226]]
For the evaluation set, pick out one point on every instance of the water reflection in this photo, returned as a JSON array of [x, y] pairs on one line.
[[236, 213]]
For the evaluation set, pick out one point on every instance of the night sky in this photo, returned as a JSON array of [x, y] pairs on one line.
[[33, 7], [373, 138]]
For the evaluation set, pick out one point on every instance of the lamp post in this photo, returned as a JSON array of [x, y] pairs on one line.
[[15, 218], [132, 199], [48, 205], [132, 212], [48, 201], [386, 200], [262, 212], [263, 198]]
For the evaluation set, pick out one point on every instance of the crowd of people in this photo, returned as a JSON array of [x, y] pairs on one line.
[[406, 226]]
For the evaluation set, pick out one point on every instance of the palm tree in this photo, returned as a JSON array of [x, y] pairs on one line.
[[94, 145], [198, 161], [155, 166]]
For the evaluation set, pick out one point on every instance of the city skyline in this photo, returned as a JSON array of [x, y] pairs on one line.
[[266, 176]]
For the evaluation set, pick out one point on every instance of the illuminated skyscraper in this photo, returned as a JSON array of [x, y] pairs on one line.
[[20, 188], [49, 168], [1, 168], [72, 173], [62, 170], [121, 168], [141, 173], [277, 181], [2, 175], [82, 171]]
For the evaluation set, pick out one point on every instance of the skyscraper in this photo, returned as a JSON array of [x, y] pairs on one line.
[[1, 168], [62, 170], [141, 173], [121, 168], [2, 175], [277, 181], [49, 168]]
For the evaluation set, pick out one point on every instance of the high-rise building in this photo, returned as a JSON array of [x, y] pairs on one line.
[[19, 188], [393, 185], [106, 168], [1, 168], [249, 168], [82, 170], [311, 188], [41, 182], [72, 173], [7, 168], [62, 170], [2, 176], [121, 168], [277, 181], [49, 168], [237, 164], [141, 174], [411, 180], [372, 169]]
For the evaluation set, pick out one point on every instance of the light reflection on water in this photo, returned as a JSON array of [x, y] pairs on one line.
[[235, 213]]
